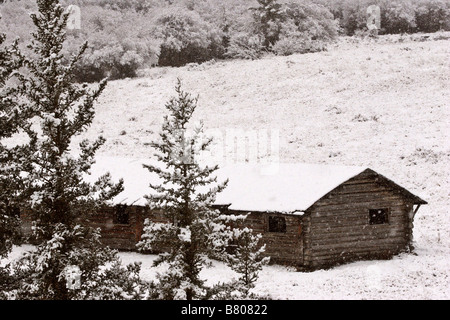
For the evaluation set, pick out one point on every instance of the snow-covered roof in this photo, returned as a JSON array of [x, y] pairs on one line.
[[284, 187]]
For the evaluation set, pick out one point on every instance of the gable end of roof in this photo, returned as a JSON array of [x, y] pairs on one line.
[[380, 179]]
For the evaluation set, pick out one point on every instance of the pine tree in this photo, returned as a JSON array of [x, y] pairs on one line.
[[248, 259], [61, 199], [65, 110], [194, 231], [11, 120], [268, 16]]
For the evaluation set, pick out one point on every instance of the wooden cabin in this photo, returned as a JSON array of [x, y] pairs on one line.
[[310, 216]]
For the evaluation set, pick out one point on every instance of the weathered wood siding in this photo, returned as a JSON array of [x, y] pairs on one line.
[[281, 247], [119, 236], [26, 222], [337, 229]]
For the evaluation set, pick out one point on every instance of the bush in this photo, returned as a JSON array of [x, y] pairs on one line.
[[186, 38], [245, 46], [308, 28], [432, 15], [113, 60], [398, 16], [293, 41], [315, 19], [268, 18], [110, 54], [353, 17]]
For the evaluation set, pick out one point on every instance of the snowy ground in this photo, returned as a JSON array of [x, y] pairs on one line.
[[379, 104], [425, 276], [421, 276]]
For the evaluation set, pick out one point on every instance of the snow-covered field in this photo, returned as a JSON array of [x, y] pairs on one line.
[[380, 104]]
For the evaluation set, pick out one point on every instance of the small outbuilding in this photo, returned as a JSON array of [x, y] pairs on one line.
[[310, 216]]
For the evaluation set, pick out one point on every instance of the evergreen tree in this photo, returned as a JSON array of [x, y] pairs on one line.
[[248, 259], [268, 16], [62, 200], [194, 231], [65, 110], [12, 119]]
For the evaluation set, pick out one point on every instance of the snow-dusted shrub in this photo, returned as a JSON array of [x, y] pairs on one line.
[[308, 27], [294, 41], [232, 290], [113, 60], [245, 46], [432, 15], [314, 19], [398, 16], [268, 17], [248, 258], [186, 38], [110, 53]]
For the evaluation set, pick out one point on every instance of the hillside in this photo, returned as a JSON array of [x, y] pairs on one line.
[[381, 104]]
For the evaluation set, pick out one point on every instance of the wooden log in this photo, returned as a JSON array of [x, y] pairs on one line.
[[358, 219], [361, 245], [322, 258], [378, 234], [357, 239]]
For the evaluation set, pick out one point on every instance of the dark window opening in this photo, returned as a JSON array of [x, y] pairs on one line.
[[121, 215], [13, 211], [277, 224], [378, 216], [232, 247], [16, 212]]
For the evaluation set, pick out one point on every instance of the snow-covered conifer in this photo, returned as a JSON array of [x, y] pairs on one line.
[[61, 199], [248, 258], [64, 110], [268, 17], [11, 120], [194, 230]]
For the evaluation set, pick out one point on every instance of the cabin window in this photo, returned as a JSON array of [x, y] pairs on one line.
[[16, 212], [121, 214], [277, 224], [13, 211], [378, 216]]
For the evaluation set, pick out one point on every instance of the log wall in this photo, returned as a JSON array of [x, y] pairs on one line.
[[334, 230], [282, 247], [337, 228], [119, 236]]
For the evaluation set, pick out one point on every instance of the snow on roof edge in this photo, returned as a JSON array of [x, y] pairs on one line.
[[293, 190]]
